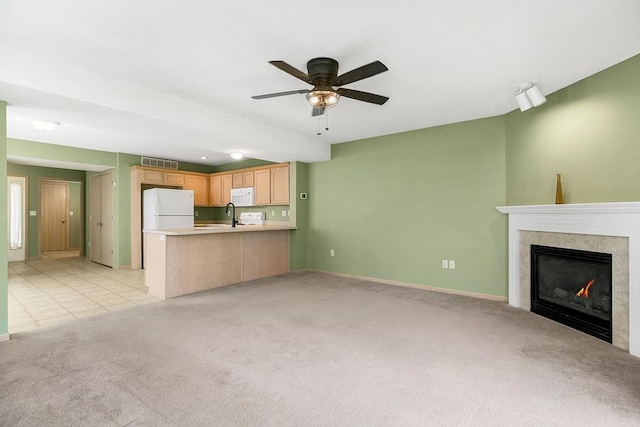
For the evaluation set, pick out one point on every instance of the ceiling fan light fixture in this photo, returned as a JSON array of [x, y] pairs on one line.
[[323, 98], [44, 125]]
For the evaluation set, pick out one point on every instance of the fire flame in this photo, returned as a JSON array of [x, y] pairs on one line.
[[584, 292]]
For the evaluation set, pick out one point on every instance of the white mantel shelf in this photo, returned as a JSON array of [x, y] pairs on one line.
[[608, 219]]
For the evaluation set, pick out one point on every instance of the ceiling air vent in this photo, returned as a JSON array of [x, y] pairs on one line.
[[159, 163]]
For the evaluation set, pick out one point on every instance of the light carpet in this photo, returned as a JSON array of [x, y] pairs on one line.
[[315, 350]]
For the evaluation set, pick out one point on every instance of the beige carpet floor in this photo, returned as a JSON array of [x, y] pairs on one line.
[[314, 350]]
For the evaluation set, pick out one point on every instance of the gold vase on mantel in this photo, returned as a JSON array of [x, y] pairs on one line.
[[559, 197]]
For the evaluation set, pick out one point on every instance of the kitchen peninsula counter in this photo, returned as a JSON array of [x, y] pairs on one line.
[[183, 261]]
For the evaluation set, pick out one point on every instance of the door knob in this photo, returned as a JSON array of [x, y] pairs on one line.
[[64, 220], [99, 224]]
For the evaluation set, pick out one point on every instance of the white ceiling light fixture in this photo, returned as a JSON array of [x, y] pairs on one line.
[[530, 95], [236, 155], [523, 101], [326, 98], [44, 125]]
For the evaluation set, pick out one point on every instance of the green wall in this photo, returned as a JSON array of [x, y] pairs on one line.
[[589, 132], [4, 235], [298, 240], [34, 174], [394, 207]]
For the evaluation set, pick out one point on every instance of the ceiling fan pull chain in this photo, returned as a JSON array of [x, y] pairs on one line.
[[326, 126], [319, 127]]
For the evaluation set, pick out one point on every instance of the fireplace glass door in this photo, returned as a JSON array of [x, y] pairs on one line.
[[573, 287]]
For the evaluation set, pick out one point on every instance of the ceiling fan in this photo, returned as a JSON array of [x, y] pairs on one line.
[[327, 90]]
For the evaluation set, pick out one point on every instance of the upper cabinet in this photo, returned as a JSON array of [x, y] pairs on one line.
[[215, 190], [243, 178], [200, 186], [271, 183], [247, 178], [226, 189], [161, 177], [280, 185], [262, 188], [220, 189]]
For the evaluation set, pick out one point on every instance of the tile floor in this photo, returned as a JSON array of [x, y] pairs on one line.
[[59, 288]]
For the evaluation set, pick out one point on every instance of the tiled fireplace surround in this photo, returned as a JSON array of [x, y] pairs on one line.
[[601, 227]]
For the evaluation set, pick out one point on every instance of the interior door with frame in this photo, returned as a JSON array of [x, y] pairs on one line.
[[101, 219], [54, 221], [17, 191]]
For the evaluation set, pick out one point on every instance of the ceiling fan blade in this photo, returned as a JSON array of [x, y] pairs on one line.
[[317, 112], [273, 95], [362, 96], [363, 72], [291, 70]]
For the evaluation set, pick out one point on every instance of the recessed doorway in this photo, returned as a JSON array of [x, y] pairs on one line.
[[60, 219]]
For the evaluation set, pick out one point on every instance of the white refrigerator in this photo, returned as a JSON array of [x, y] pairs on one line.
[[165, 208]]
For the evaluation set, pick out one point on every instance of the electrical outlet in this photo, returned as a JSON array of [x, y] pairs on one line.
[[284, 213], [196, 213], [273, 213], [288, 212], [333, 252], [445, 263], [452, 264]]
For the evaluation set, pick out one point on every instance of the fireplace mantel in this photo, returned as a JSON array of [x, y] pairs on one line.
[[605, 219]]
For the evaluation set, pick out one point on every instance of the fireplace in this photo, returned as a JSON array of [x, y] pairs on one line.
[[573, 287]]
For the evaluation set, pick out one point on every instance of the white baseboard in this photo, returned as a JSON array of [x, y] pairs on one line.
[[411, 285], [4, 337]]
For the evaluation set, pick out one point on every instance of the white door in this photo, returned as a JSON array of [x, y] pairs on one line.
[[16, 191], [101, 219]]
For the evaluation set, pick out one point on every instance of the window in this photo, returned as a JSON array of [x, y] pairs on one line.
[[15, 215]]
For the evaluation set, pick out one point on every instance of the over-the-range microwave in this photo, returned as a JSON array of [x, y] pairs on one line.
[[242, 196]]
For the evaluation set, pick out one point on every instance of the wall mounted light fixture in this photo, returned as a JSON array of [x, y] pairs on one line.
[[529, 95]]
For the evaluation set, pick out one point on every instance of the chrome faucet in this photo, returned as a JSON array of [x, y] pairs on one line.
[[233, 213]]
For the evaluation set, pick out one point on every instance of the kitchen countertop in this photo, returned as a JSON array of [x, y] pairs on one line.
[[219, 228]]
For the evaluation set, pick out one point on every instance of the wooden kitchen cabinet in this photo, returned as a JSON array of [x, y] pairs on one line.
[[220, 189], [200, 186], [215, 190], [280, 185], [243, 179], [271, 185], [161, 177], [227, 184], [174, 178], [247, 178], [237, 180], [262, 187]]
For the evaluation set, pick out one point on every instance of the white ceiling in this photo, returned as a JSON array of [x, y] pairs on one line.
[[174, 79]]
